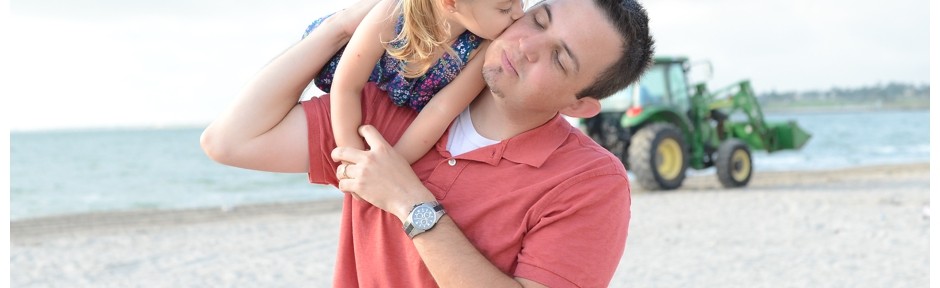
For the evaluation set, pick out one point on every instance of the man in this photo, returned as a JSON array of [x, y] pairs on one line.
[[542, 207]]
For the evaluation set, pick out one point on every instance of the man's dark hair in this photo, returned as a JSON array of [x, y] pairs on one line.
[[630, 20]]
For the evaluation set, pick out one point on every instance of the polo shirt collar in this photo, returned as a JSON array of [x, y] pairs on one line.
[[534, 146]]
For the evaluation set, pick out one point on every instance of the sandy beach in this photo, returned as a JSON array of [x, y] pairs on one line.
[[858, 227]]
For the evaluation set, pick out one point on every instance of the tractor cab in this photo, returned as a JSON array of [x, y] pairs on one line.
[[663, 85]]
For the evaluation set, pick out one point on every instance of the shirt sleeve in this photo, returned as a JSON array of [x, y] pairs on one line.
[[580, 236], [377, 110]]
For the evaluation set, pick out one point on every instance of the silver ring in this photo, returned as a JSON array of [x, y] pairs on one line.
[[344, 166]]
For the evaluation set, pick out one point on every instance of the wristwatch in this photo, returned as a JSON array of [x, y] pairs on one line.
[[423, 217]]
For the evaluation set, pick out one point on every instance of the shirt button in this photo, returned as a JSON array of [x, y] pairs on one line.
[[452, 162]]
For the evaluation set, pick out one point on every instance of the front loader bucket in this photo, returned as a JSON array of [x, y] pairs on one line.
[[787, 135]]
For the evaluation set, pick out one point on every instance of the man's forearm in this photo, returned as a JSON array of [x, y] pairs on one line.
[[240, 136], [454, 262], [272, 93]]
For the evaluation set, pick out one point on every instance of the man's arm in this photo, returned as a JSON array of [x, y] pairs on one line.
[[265, 129], [383, 178], [454, 262]]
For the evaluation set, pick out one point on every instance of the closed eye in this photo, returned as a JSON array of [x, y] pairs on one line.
[[535, 20], [557, 59]]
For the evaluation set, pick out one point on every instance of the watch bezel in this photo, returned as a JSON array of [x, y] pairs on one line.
[[423, 217]]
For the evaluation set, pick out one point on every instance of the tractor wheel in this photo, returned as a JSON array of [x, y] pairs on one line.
[[658, 157], [734, 164]]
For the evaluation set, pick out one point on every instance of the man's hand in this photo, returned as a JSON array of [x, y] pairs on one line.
[[380, 175]]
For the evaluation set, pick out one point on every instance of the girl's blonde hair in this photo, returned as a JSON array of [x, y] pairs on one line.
[[423, 31]]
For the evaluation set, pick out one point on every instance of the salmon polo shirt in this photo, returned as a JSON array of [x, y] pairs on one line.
[[548, 205]]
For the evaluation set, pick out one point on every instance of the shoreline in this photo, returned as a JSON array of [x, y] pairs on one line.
[[70, 223], [65, 223], [293, 207]]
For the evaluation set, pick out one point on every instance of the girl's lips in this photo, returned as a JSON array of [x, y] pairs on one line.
[[507, 65]]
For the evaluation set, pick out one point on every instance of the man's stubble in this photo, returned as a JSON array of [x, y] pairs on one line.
[[491, 76]]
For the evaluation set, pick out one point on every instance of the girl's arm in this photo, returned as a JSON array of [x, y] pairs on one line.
[[363, 52], [438, 114]]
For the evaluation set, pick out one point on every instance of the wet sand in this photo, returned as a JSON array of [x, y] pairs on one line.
[[858, 227]]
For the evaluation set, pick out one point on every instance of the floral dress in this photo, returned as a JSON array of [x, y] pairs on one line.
[[410, 92]]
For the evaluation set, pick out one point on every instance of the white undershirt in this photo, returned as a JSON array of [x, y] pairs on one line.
[[463, 137]]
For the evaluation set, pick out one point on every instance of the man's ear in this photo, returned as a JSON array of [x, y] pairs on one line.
[[586, 107]]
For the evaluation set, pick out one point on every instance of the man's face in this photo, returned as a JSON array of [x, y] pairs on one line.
[[547, 56]]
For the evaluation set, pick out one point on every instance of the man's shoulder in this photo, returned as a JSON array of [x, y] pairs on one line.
[[579, 148]]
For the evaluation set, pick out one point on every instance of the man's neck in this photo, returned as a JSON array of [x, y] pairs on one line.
[[499, 122]]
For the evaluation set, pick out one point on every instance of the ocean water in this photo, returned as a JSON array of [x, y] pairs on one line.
[[850, 139], [65, 172]]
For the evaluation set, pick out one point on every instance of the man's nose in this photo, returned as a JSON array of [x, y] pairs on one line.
[[532, 46]]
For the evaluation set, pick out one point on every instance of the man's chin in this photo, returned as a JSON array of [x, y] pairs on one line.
[[491, 77]]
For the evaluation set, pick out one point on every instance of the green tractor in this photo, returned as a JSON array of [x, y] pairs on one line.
[[662, 126]]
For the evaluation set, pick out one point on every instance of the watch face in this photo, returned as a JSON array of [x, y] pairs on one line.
[[423, 217]]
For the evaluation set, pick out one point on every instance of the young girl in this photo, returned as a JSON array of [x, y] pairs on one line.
[[412, 49]]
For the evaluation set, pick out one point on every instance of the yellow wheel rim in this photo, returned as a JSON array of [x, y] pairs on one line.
[[669, 159], [740, 165]]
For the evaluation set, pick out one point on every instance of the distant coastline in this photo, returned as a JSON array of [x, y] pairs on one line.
[[845, 107], [893, 96]]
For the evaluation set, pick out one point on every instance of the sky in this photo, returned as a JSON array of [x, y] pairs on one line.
[[115, 63]]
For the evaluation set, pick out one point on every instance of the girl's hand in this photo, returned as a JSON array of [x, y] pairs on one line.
[[349, 139], [380, 175]]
